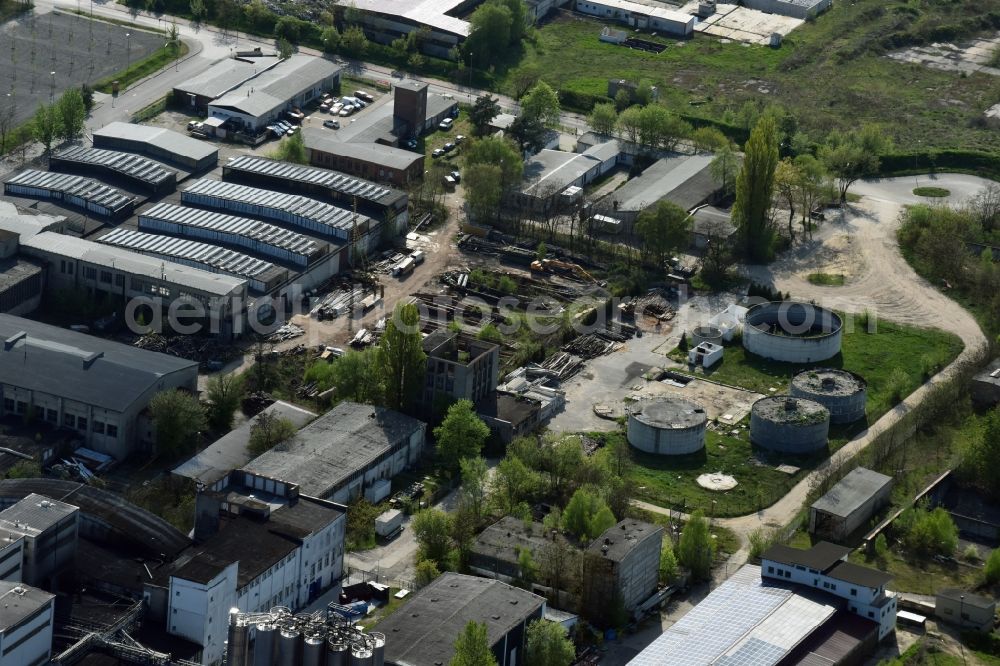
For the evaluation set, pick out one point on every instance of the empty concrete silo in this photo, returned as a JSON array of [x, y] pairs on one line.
[[702, 334], [667, 426], [789, 425], [843, 393], [792, 332]]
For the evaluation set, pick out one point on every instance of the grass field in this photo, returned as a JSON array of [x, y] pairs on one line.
[[140, 69], [922, 576], [827, 279], [829, 73], [933, 192]]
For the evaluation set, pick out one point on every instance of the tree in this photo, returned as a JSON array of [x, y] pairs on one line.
[[529, 133], [482, 113], [992, 568], [724, 168], [173, 43], [527, 569], [178, 419], [474, 483], [603, 118], [587, 516], [717, 257], [330, 37], [25, 469], [198, 11], [483, 190], [354, 42], [513, 483], [461, 434], [292, 149], [786, 188], [664, 228], [497, 151], [227, 13], [696, 548], [808, 188], [489, 34], [268, 430], [518, 19], [260, 17], [853, 155], [45, 126], [984, 207], [630, 123], [754, 187], [668, 564], [709, 138], [522, 78], [929, 532], [623, 99], [472, 647], [6, 126], [224, 393], [541, 103], [426, 573], [401, 358], [548, 645], [285, 51], [431, 530], [981, 453], [353, 379]]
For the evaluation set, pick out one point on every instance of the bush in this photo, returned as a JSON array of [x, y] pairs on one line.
[[897, 385], [881, 548], [929, 532], [970, 554], [760, 541], [668, 564], [992, 568]]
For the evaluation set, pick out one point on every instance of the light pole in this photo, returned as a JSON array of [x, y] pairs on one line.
[[961, 621], [128, 55], [52, 86], [471, 59]]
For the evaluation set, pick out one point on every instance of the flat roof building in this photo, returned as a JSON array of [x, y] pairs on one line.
[[84, 193], [26, 618], [459, 367], [850, 504], [965, 609], [350, 451], [550, 172], [293, 82], [444, 608], [642, 16], [374, 161], [158, 143], [800, 9], [219, 79], [622, 563], [684, 180], [90, 385], [49, 529], [135, 170]]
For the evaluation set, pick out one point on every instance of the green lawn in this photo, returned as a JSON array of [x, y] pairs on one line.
[[140, 69], [827, 279], [827, 73], [933, 192], [922, 576]]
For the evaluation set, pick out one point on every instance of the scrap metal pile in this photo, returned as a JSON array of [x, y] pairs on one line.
[[203, 350], [654, 304]]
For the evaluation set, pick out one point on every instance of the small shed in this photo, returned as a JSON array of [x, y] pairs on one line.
[[706, 355], [968, 610], [849, 504]]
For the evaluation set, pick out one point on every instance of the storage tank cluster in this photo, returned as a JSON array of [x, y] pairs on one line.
[[792, 332], [787, 424], [280, 638], [667, 426], [843, 393]]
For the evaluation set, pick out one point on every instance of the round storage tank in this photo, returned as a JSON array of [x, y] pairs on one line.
[[667, 426], [263, 649], [312, 651], [843, 393], [337, 654], [789, 425], [705, 334], [360, 655], [792, 332], [289, 647], [378, 653]]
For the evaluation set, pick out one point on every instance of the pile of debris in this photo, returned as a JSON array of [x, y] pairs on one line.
[[590, 445], [654, 304], [206, 351], [563, 364], [338, 303], [256, 402], [598, 343], [286, 332]]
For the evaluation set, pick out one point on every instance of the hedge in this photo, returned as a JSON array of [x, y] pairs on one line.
[[976, 162]]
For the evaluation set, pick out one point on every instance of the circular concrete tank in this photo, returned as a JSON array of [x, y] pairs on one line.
[[792, 332], [667, 426], [843, 393], [706, 334], [789, 425]]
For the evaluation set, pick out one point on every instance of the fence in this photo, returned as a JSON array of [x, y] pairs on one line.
[[353, 576]]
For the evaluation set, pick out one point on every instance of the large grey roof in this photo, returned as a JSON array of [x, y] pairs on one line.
[[505, 538], [167, 140], [27, 223], [80, 367], [215, 284], [852, 492], [743, 621], [683, 179], [19, 602], [230, 452], [623, 538], [87, 189], [226, 75], [126, 164], [35, 513], [326, 452], [556, 169], [821, 556], [423, 631], [275, 87], [375, 153], [433, 13]]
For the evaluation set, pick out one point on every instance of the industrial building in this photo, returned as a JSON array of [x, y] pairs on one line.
[[509, 416], [550, 173], [138, 171], [622, 563], [850, 504], [495, 553], [444, 608], [75, 263], [785, 424], [965, 609], [351, 451], [27, 615], [45, 533], [293, 82], [21, 279], [374, 161], [459, 367], [800, 9], [641, 16], [711, 225], [792, 332], [262, 548], [985, 386], [159, 143], [261, 276], [824, 567], [241, 232], [757, 618], [84, 193], [221, 78], [93, 386], [684, 180], [843, 393], [667, 426], [374, 200], [211, 467], [705, 354], [308, 215]]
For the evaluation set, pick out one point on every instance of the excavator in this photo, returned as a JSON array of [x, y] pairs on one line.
[[563, 267]]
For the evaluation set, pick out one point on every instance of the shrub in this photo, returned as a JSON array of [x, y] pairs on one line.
[[897, 385], [930, 532], [992, 568]]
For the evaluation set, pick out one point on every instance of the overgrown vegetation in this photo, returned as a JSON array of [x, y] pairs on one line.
[[826, 279], [931, 192]]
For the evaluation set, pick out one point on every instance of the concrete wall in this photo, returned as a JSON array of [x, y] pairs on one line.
[[638, 572], [11, 560]]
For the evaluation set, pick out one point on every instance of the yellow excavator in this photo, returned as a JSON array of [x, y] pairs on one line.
[[557, 266]]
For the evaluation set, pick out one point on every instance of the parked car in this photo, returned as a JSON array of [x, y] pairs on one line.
[[446, 124], [437, 152], [331, 124], [336, 108], [346, 111], [448, 147], [459, 139], [457, 176], [195, 125], [363, 95]]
